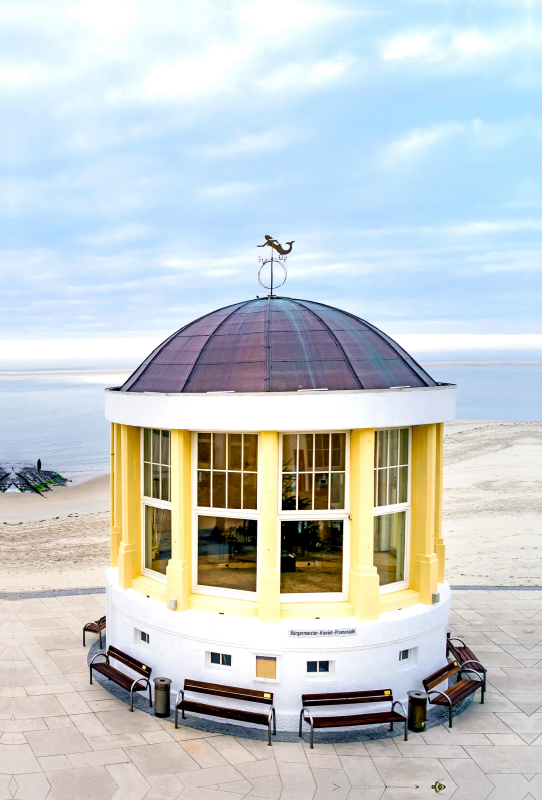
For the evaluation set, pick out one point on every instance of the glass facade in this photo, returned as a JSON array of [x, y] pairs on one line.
[[227, 470], [156, 464], [227, 552], [311, 556], [157, 538], [391, 466], [313, 471], [389, 547]]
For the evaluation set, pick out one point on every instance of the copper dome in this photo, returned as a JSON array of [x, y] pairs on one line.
[[277, 344]]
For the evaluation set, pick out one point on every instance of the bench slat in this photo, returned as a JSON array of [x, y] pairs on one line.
[[236, 693], [221, 711], [129, 661], [336, 698], [357, 719], [458, 692], [117, 677], [441, 675]]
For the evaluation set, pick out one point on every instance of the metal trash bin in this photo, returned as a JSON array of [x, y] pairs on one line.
[[161, 697], [417, 711]]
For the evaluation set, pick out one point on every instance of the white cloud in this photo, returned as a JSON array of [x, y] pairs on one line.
[[107, 18], [305, 75], [407, 45], [250, 144], [232, 190], [415, 143], [448, 45]]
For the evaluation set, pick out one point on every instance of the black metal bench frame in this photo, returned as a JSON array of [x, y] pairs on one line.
[[120, 678], [226, 712], [463, 654], [95, 627], [348, 698], [456, 693]]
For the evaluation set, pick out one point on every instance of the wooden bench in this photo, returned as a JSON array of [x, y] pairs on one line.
[[458, 691], [118, 677], [463, 654], [227, 712], [348, 698], [94, 627]]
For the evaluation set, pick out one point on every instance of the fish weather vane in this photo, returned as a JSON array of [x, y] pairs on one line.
[[283, 252]]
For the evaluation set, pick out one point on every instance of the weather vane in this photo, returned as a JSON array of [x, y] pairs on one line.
[[274, 246]]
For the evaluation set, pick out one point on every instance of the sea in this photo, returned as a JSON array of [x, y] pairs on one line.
[[59, 416]]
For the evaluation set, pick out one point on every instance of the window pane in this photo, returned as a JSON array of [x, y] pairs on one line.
[[165, 483], [392, 490], [288, 492], [250, 490], [234, 490], [321, 451], [156, 481], [393, 447], [147, 444], [321, 490], [204, 488], [312, 666], [147, 480], [323, 666], [227, 553], [165, 448], [226, 660], [337, 490], [219, 451], [305, 452], [250, 452], [389, 547], [156, 446], [204, 450], [157, 538], [235, 451], [304, 491], [311, 556], [338, 452], [289, 447], [382, 488], [215, 658], [382, 449], [404, 446], [219, 490], [403, 484]]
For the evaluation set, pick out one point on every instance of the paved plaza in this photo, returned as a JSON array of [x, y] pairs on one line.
[[62, 739]]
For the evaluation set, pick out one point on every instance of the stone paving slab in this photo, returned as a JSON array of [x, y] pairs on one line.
[[62, 739]]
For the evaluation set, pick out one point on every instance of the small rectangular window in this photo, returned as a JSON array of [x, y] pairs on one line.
[[404, 655], [144, 637], [318, 667], [220, 659], [266, 667]]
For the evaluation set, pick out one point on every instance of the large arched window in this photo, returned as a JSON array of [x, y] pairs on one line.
[[313, 516], [156, 539], [392, 507]]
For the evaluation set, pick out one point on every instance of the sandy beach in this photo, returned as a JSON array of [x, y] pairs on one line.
[[492, 515]]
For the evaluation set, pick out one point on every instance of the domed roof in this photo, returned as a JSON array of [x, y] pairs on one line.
[[277, 344]]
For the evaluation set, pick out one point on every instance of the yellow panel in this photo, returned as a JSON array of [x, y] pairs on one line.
[[223, 605], [316, 610], [150, 588], [266, 667], [395, 601]]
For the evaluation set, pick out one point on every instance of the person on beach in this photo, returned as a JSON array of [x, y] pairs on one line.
[[39, 464]]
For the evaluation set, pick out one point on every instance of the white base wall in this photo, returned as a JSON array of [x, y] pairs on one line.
[[179, 644]]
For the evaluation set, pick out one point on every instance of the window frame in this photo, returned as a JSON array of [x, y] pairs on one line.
[[232, 513], [331, 514], [380, 511], [155, 503]]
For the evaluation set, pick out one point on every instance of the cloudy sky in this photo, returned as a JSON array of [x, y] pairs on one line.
[[147, 147]]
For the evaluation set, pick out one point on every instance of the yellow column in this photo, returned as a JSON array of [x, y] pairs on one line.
[[178, 571], [423, 560], [364, 581], [116, 493], [440, 548], [130, 546], [269, 575]]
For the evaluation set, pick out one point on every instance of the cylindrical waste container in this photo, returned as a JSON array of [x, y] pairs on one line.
[[161, 697], [417, 711]]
